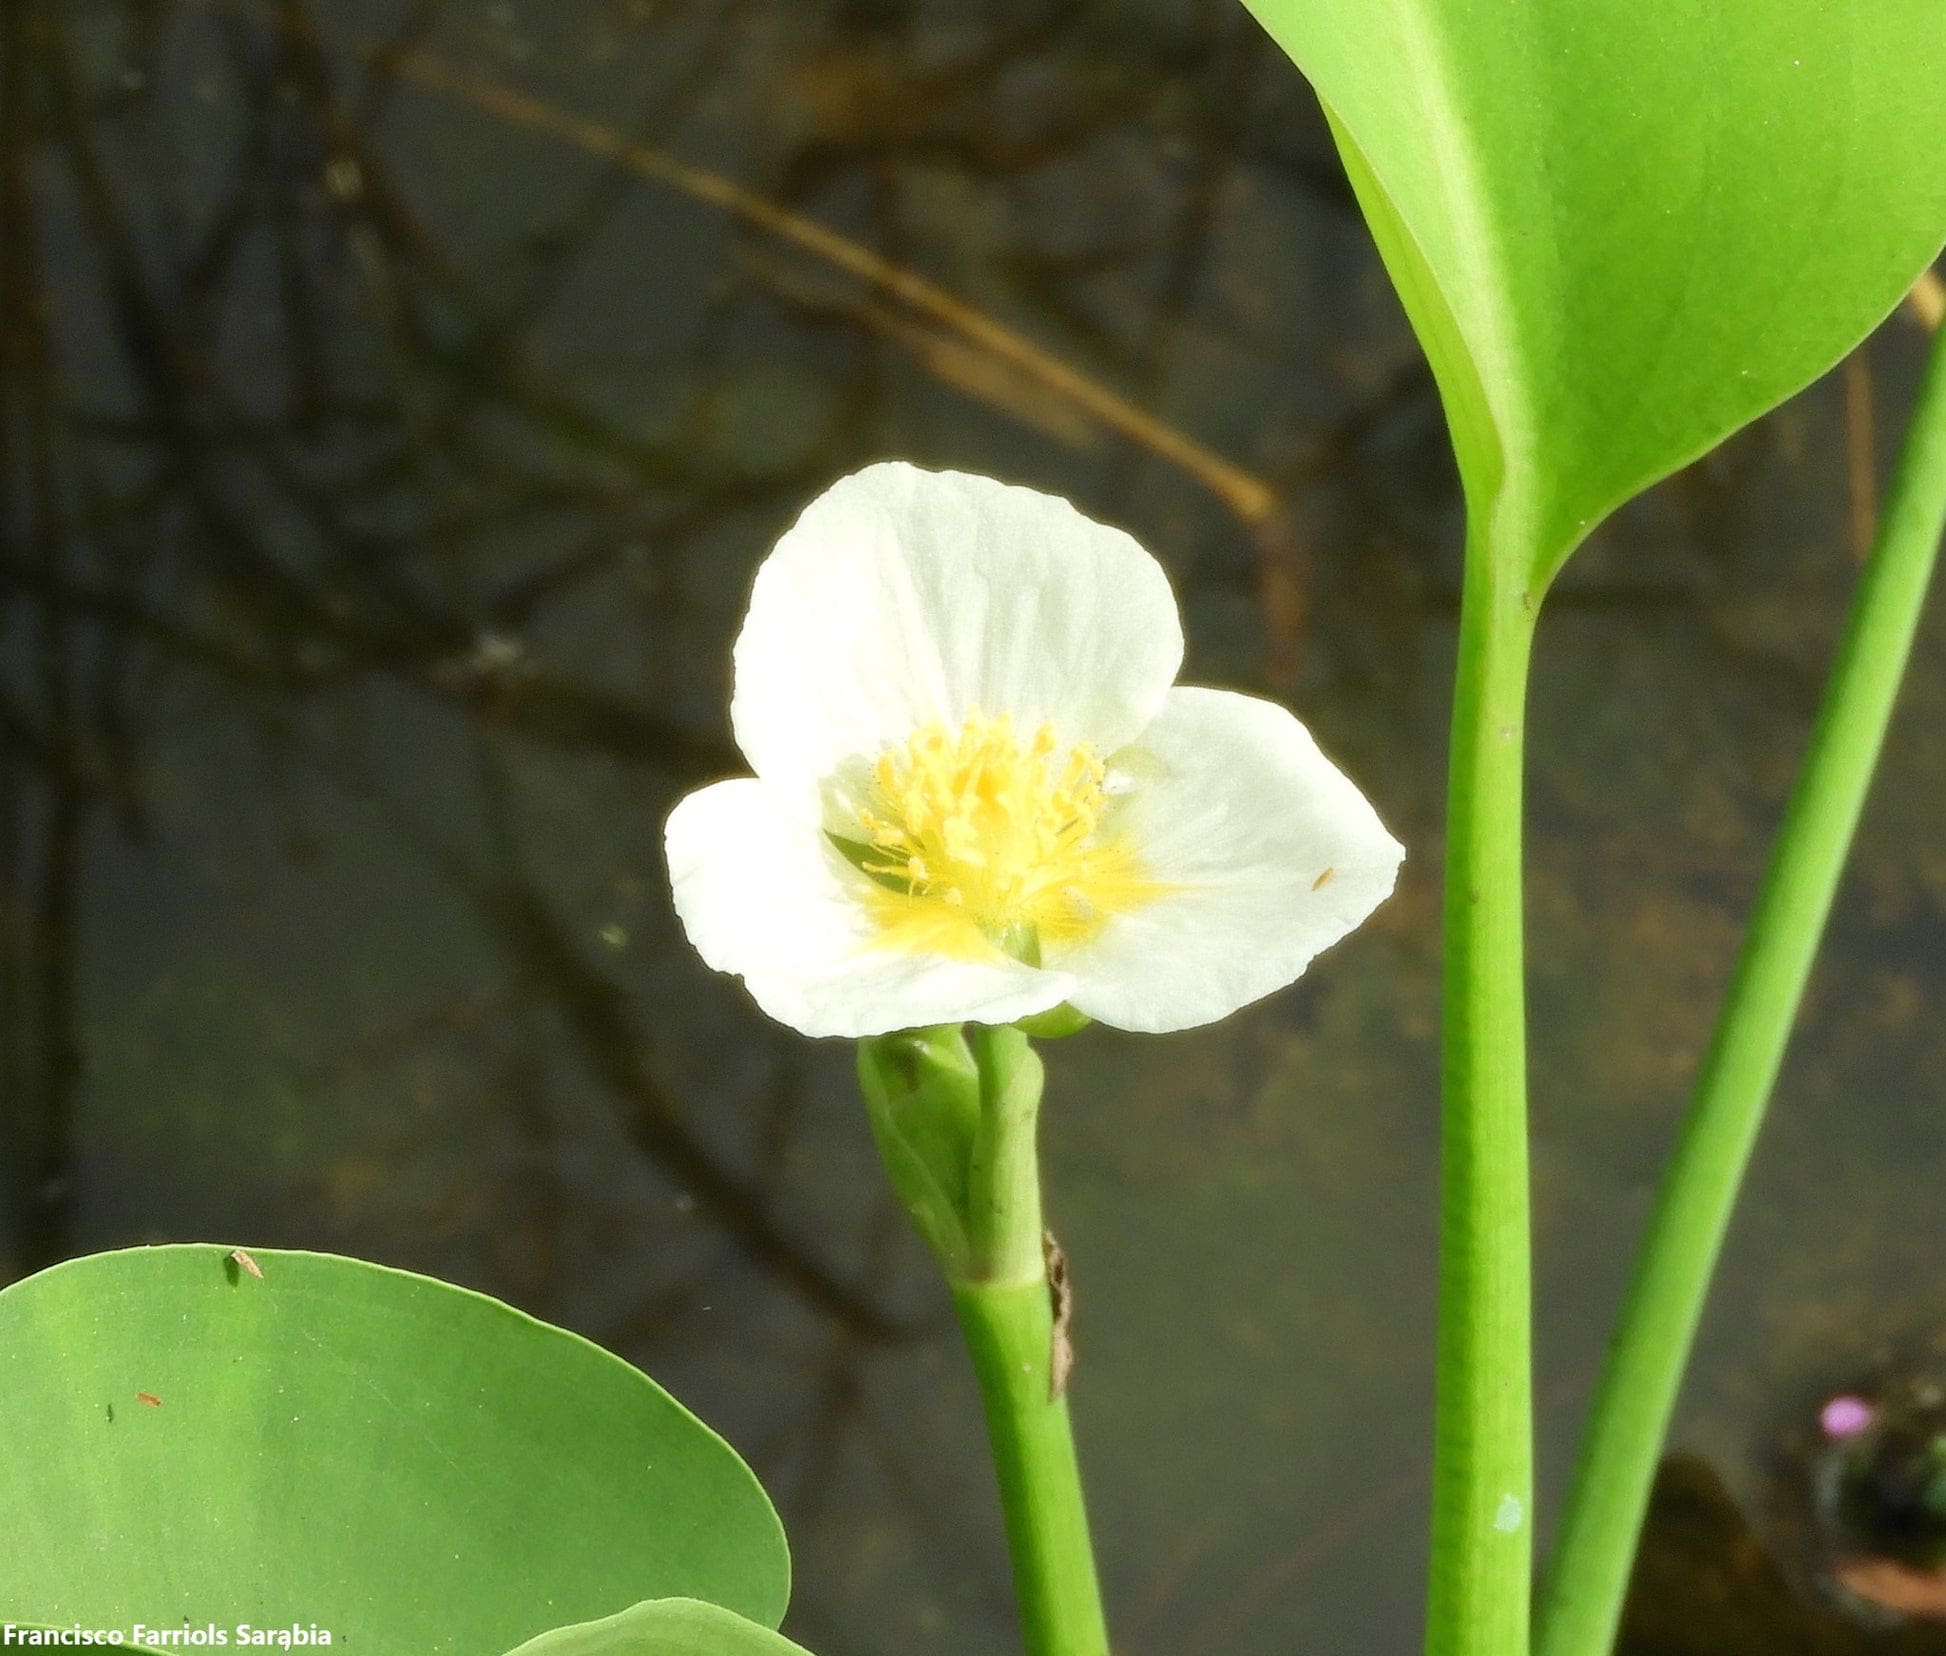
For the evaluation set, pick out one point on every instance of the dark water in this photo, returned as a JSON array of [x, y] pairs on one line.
[[387, 447]]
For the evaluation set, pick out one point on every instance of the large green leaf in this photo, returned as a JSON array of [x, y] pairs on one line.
[[665, 1627], [418, 1468], [1624, 229]]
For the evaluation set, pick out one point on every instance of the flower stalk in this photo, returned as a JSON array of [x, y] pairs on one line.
[[956, 1115], [1003, 1182], [1588, 1578], [1009, 1335]]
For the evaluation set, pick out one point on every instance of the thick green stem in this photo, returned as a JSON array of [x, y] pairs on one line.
[[1009, 1333], [1006, 1309], [1589, 1573], [1483, 1456]]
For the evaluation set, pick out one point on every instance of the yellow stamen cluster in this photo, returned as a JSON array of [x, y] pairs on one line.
[[977, 839]]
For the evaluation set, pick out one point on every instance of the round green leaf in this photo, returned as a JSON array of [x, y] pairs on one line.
[[664, 1627], [415, 1467], [1621, 229]]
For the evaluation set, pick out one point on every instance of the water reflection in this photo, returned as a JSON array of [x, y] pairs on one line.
[[397, 398]]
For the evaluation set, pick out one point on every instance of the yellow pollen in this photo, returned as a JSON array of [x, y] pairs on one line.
[[976, 839]]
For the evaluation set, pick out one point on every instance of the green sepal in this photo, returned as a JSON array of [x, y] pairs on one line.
[[1054, 1023], [922, 1091]]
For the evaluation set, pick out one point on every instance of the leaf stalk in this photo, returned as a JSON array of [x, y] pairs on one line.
[[1609, 1495], [1479, 1599]]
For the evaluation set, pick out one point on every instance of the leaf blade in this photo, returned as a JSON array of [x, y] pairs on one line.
[[346, 1444], [664, 1627], [1648, 224]]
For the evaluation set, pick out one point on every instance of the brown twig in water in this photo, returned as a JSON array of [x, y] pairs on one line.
[[1248, 496], [1927, 301], [946, 356]]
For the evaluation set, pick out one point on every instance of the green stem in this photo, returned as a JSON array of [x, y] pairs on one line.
[[1009, 1333], [955, 1114], [1006, 1310], [1003, 1175], [1483, 1452], [1589, 1573]]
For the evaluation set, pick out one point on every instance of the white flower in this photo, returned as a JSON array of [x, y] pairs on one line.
[[980, 793]]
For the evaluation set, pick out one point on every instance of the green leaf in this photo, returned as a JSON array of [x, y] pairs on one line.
[[664, 1627], [1623, 230], [418, 1468]]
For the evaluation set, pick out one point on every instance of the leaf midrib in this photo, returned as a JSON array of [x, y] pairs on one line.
[[1486, 331]]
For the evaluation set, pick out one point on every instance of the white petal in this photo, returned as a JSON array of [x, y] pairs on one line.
[[763, 894], [903, 596], [1234, 808]]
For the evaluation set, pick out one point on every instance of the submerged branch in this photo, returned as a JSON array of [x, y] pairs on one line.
[[1927, 301], [1248, 496]]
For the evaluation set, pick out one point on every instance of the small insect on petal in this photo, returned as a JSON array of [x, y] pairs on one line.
[[149, 1398], [249, 1264], [1324, 879]]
